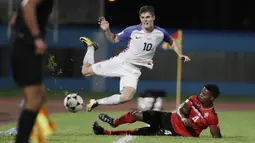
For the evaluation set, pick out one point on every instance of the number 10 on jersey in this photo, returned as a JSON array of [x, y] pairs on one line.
[[147, 46]]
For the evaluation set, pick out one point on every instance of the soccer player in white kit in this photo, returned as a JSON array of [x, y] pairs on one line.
[[143, 42]]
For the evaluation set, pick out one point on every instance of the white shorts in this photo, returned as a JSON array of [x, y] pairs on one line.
[[115, 67]]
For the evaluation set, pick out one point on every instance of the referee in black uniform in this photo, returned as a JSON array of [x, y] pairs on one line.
[[28, 48]]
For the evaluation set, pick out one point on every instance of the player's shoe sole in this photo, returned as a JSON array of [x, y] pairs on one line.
[[107, 119], [92, 104], [98, 130], [87, 42]]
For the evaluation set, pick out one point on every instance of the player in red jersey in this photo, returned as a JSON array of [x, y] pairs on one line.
[[190, 119]]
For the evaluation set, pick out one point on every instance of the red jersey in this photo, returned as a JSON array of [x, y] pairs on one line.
[[200, 118]]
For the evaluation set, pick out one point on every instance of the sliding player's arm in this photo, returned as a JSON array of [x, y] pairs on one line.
[[214, 127], [29, 12], [183, 112], [105, 26], [215, 132]]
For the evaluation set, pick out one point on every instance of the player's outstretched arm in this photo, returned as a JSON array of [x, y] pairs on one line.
[[215, 132], [105, 26], [172, 44], [178, 51]]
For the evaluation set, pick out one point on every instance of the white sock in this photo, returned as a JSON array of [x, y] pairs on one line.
[[89, 56], [111, 100]]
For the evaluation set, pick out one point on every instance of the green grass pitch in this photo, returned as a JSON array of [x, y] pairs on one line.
[[236, 127]]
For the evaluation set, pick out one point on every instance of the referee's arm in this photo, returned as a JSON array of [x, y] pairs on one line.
[[29, 12]]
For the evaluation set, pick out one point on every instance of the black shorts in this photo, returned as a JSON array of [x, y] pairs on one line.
[[26, 65], [160, 123]]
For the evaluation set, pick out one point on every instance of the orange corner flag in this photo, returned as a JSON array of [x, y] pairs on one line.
[[43, 127]]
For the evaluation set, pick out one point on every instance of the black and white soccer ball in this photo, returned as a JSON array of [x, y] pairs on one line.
[[73, 102]]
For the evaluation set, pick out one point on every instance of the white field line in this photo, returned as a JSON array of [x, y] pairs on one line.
[[124, 139]]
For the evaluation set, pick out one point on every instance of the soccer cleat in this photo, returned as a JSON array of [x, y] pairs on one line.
[[107, 119], [98, 130], [92, 104], [87, 42]]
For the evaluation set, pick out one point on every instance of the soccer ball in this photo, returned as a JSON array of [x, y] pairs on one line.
[[73, 102]]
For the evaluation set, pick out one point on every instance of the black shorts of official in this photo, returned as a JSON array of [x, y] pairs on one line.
[[160, 123], [26, 65]]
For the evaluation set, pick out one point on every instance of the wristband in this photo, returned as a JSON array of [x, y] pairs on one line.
[[38, 36]]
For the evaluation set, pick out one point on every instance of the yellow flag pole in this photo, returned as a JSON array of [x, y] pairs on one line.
[[179, 71]]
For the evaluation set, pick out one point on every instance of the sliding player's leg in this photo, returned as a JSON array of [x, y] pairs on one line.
[[144, 131], [160, 122], [153, 118]]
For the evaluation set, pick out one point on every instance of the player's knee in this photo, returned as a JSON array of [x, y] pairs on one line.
[[137, 115], [35, 103], [127, 97], [84, 71], [44, 100], [87, 71], [42, 94], [128, 93], [35, 99]]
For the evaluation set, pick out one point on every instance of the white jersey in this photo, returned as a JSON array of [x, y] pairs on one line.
[[142, 46]]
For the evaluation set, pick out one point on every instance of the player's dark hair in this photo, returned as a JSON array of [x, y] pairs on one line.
[[214, 89], [147, 8]]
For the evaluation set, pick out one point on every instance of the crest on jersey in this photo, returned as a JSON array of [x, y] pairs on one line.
[[158, 39], [206, 114]]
